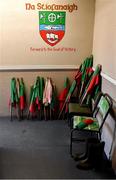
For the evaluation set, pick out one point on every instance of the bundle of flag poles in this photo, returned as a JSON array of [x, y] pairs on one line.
[[80, 80], [43, 99], [17, 97], [36, 98], [45, 103], [93, 86], [87, 84]]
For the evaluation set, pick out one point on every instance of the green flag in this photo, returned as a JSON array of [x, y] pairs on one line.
[[93, 85], [63, 93], [54, 98], [13, 92], [22, 95], [95, 79], [33, 95]]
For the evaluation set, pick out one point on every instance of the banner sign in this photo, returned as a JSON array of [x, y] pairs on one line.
[[52, 20], [52, 26], [51, 7]]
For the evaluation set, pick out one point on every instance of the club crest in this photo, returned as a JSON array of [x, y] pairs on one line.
[[52, 26]]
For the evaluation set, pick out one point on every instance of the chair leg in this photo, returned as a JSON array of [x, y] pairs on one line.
[[71, 139], [50, 114], [71, 123], [11, 112], [99, 136], [40, 111], [28, 115], [21, 114], [45, 112], [18, 113], [74, 139]]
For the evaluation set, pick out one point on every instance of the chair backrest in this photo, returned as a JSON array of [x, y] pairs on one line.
[[95, 100], [102, 109]]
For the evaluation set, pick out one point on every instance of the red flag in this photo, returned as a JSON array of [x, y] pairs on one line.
[[95, 79], [22, 97], [63, 94], [32, 108], [93, 83]]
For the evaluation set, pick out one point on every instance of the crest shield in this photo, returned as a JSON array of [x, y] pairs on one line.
[[52, 26]]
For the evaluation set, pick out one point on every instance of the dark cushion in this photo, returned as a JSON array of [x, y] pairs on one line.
[[77, 109]]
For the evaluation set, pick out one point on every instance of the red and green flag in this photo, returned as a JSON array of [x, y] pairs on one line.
[[22, 95], [41, 88], [88, 62], [13, 93], [53, 104], [71, 90], [32, 104], [65, 105], [95, 79], [32, 98], [87, 71], [93, 84], [37, 93], [47, 94], [84, 123], [63, 93]]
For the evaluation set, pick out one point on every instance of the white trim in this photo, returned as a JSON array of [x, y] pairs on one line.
[[49, 67], [113, 81], [38, 67]]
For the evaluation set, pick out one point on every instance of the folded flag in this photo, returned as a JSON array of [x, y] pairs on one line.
[[32, 98], [63, 93], [22, 95], [53, 104], [84, 123], [13, 93], [47, 94], [95, 79], [41, 88], [86, 71], [93, 85]]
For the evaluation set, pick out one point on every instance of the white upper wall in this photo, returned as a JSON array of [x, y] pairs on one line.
[[104, 51], [104, 41]]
